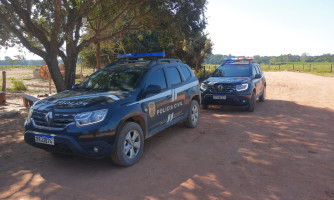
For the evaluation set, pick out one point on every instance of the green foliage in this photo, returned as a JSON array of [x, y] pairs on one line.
[[18, 85], [284, 58], [201, 74]]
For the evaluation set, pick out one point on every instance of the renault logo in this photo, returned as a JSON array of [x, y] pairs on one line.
[[220, 87], [49, 118]]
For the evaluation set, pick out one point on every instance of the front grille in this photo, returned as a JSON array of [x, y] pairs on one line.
[[221, 88], [59, 120]]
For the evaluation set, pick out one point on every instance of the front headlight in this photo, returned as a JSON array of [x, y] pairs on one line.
[[204, 86], [241, 87], [87, 118]]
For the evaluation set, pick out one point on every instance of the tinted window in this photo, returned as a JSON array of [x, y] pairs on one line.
[[254, 71], [185, 72], [173, 76], [157, 78], [232, 71], [116, 78], [257, 69]]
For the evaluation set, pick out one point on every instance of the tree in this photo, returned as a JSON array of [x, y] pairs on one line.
[[178, 21], [51, 29]]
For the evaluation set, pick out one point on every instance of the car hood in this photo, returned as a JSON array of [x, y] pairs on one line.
[[79, 99], [227, 80]]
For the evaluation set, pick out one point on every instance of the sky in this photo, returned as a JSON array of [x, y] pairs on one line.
[[263, 27], [271, 27]]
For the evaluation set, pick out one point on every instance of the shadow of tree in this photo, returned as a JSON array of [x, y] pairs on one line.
[[281, 151]]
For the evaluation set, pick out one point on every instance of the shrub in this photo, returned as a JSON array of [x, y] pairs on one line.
[[18, 85]]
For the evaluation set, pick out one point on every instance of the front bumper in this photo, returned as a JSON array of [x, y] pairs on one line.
[[68, 145], [231, 99]]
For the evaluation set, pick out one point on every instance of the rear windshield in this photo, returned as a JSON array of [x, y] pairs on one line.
[[232, 71], [124, 78]]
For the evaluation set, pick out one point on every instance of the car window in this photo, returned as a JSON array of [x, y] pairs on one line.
[[257, 69], [185, 72], [232, 71], [254, 71], [173, 76], [157, 78], [113, 79]]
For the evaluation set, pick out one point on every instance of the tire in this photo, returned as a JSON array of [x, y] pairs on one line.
[[252, 103], [262, 98], [193, 115], [129, 145]]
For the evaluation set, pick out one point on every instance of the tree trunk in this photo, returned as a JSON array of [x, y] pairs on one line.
[[98, 55], [70, 69], [52, 63]]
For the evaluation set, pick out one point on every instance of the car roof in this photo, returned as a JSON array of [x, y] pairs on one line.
[[142, 62]]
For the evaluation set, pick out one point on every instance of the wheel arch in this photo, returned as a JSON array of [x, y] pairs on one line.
[[136, 119]]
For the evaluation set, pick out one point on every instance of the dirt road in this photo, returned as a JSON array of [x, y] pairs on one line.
[[284, 150]]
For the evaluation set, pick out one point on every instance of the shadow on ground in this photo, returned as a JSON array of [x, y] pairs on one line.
[[281, 151]]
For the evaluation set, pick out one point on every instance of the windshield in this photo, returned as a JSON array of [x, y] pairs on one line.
[[116, 78], [232, 71]]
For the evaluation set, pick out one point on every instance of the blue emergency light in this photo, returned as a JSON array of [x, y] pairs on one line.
[[237, 59], [142, 55]]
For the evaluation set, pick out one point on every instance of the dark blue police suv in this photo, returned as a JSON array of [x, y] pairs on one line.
[[112, 111], [238, 81]]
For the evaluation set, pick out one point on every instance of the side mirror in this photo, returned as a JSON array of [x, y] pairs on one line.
[[152, 89], [257, 76], [75, 86]]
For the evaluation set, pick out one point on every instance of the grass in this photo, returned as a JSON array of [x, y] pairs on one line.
[[18, 66], [317, 68]]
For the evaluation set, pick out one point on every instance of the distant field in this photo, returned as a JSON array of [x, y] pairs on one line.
[[319, 68]]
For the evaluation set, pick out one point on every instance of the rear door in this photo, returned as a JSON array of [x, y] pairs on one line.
[[261, 83], [256, 82], [175, 84]]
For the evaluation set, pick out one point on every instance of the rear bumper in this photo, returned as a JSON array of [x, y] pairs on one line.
[[68, 145], [235, 100]]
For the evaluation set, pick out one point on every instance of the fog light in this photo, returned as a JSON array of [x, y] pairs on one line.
[[243, 101], [96, 150]]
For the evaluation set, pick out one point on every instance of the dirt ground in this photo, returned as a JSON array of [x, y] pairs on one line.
[[284, 150]]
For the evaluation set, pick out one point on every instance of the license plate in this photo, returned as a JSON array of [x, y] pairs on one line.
[[44, 139], [219, 96]]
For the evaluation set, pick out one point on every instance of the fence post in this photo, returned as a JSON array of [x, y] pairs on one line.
[[293, 67], [310, 67], [303, 67], [3, 93], [279, 67], [4, 81], [204, 70], [331, 67]]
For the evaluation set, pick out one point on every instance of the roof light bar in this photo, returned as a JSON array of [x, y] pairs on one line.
[[238, 59], [141, 55]]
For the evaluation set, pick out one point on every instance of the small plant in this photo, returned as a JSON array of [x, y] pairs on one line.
[[18, 85]]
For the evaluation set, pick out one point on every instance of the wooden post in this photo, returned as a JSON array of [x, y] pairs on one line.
[[303, 66], [3, 92], [4, 81], [204, 70], [331, 67], [279, 67], [293, 67], [310, 67], [81, 71]]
